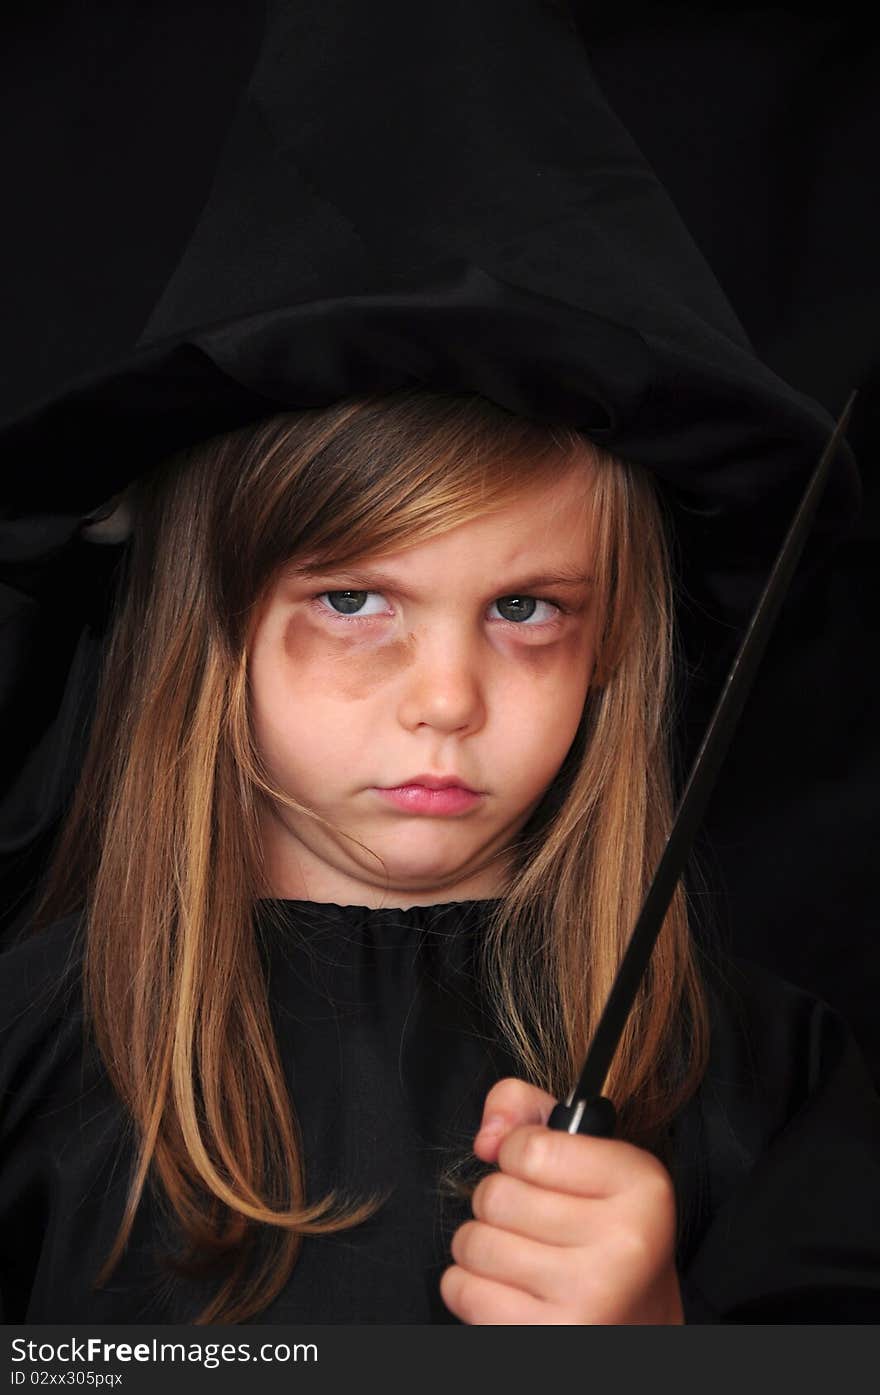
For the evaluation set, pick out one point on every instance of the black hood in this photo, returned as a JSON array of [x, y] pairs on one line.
[[431, 195]]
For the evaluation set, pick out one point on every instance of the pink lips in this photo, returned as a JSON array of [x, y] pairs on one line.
[[430, 795]]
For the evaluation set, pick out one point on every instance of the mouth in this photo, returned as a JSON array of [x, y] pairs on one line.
[[434, 782], [431, 795]]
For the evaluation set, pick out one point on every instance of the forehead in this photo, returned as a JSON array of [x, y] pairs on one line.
[[548, 517]]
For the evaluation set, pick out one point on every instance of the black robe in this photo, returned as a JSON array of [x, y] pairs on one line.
[[389, 1056]]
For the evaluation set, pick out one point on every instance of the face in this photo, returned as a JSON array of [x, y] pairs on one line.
[[458, 657]]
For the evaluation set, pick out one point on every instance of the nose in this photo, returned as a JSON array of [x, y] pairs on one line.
[[443, 687]]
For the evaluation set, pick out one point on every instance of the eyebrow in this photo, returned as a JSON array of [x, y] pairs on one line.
[[569, 577]]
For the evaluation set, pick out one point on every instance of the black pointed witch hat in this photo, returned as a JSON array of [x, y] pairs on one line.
[[438, 196]]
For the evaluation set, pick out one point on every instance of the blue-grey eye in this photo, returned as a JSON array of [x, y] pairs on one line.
[[522, 607], [517, 607], [351, 602]]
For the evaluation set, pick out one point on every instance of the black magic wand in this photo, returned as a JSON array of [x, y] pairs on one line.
[[586, 1110]]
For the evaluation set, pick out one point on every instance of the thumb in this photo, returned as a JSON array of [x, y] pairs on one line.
[[509, 1104]]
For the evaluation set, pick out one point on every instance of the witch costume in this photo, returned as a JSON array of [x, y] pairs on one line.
[[441, 198]]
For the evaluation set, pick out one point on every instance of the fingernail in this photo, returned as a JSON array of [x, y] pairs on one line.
[[490, 1127]]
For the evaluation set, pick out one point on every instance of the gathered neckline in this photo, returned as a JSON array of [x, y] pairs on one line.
[[328, 906]]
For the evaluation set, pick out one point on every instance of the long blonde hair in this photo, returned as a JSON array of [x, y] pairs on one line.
[[161, 852]]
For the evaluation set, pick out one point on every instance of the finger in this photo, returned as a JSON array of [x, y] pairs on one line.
[[581, 1165], [538, 1269], [554, 1218], [481, 1301], [509, 1104]]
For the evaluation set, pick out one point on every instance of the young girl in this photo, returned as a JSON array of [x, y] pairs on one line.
[[380, 771]]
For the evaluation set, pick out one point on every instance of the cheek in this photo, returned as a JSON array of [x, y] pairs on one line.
[[541, 703]]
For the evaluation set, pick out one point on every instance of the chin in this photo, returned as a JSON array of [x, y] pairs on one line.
[[421, 867], [421, 876]]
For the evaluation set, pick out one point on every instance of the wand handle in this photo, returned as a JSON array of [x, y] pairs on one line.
[[596, 1117]]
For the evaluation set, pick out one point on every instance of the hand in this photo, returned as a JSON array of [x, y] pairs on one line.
[[573, 1229]]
